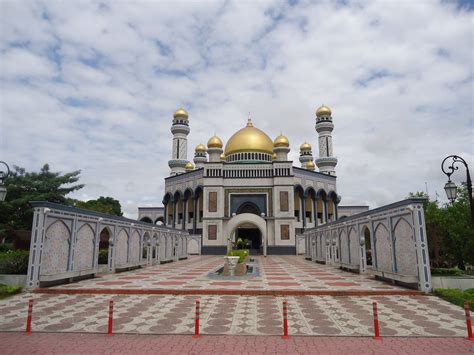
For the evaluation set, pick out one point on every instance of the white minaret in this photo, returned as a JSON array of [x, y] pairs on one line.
[[180, 131], [306, 154], [324, 126], [200, 156]]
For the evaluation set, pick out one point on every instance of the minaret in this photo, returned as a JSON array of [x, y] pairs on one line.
[[306, 155], [200, 156], [214, 149], [324, 126], [180, 131], [281, 148]]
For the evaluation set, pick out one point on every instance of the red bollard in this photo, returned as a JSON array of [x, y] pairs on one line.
[[30, 317], [111, 318], [196, 323], [376, 322], [285, 320], [467, 309]]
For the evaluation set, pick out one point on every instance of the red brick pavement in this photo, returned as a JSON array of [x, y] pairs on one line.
[[69, 343]]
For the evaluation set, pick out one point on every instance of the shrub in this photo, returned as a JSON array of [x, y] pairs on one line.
[[241, 253], [103, 256], [6, 247], [6, 290], [456, 296], [14, 262], [446, 272]]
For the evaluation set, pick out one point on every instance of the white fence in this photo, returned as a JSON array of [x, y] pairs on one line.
[[65, 243], [390, 241]]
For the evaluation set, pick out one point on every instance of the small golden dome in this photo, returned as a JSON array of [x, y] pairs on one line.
[[305, 146], [223, 156], [310, 165], [249, 139], [323, 110], [200, 148], [189, 166], [214, 142], [274, 156], [180, 113], [281, 141]]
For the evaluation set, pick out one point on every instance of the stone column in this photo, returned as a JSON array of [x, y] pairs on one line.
[[195, 214], [315, 211], [303, 210], [174, 213], [185, 203]]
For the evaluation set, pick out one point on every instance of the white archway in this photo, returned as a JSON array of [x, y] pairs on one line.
[[248, 218]]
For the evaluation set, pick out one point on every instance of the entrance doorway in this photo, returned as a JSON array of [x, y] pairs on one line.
[[254, 237]]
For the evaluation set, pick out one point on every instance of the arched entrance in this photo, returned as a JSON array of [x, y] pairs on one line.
[[250, 234], [251, 227]]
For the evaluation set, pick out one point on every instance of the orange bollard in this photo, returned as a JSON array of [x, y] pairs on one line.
[[111, 318], [376, 322], [285, 320], [30, 317], [196, 322], [467, 310]]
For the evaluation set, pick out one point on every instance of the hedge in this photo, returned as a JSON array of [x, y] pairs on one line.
[[456, 296], [14, 262], [103, 256], [446, 272], [6, 290], [241, 253]]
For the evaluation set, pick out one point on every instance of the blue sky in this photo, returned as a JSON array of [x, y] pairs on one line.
[[92, 85]]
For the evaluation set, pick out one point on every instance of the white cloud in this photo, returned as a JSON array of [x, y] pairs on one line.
[[92, 86]]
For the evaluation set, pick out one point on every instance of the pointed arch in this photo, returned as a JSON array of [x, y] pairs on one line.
[[56, 249], [84, 248]]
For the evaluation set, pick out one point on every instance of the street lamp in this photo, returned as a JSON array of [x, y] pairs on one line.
[[450, 187], [3, 176]]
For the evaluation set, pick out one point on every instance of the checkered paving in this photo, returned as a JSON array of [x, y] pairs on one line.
[[276, 273], [236, 315]]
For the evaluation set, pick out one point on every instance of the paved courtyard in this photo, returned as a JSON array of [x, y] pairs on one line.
[[42, 343], [234, 314], [276, 273]]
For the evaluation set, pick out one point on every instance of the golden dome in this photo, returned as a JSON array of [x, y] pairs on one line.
[[223, 156], [189, 166], [323, 110], [200, 148], [281, 141], [180, 113], [310, 165], [274, 156], [214, 142], [249, 139], [305, 146]]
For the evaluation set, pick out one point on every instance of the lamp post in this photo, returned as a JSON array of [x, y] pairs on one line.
[[450, 187], [3, 175]]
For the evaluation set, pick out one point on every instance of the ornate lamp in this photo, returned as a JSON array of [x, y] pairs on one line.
[[451, 190]]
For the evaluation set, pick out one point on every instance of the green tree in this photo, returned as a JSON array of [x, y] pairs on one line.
[[450, 234], [23, 187], [102, 204]]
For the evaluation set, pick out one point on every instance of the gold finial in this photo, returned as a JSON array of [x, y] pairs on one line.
[[249, 122]]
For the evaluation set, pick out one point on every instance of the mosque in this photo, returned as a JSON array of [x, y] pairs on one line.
[[249, 189]]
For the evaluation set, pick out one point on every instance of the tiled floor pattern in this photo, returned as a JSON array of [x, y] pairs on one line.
[[236, 315], [276, 273]]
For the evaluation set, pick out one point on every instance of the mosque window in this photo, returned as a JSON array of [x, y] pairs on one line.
[[284, 201], [212, 232], [285, 231], [212, 201]]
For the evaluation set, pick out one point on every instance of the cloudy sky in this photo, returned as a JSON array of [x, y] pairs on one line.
[[93, 85]]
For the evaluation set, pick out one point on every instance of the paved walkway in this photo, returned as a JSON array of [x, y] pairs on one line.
[[237, 315], [276, 273], [15, 343]]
